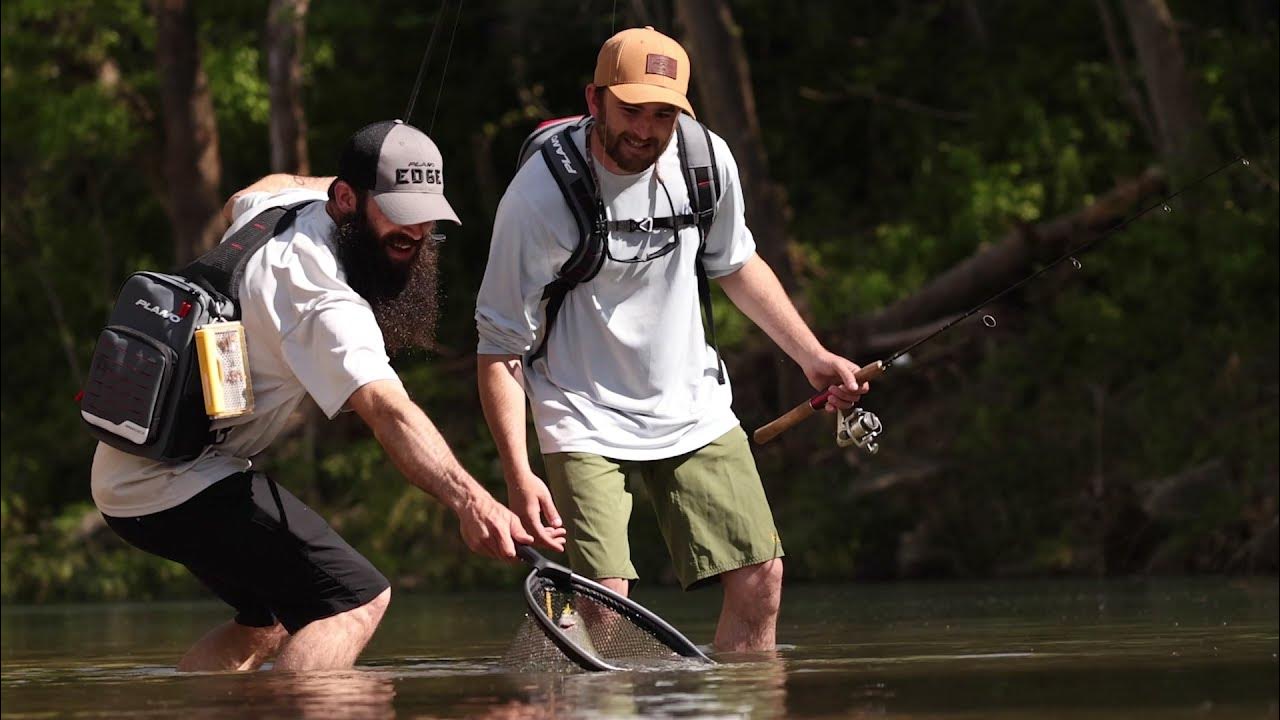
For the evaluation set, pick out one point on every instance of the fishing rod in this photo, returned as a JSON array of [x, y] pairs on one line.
[[445, 73], [861, 428], [422, 66], [426, 56]]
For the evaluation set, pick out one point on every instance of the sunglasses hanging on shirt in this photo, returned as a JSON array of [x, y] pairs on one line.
[[650, 225]]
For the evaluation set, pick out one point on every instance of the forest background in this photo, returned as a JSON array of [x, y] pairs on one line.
[[903, 161]]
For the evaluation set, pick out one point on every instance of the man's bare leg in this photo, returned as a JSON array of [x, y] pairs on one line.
[[600, 624], [617, 585], [231, 646], [749, 616], [335, 642]]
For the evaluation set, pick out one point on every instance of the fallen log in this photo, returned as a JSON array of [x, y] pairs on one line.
[[995, 267]]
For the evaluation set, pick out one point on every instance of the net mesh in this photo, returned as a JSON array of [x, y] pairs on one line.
[[597, 623], [531, 650]]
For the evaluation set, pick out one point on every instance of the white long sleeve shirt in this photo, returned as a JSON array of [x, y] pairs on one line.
[[308, 333], [627, 372]]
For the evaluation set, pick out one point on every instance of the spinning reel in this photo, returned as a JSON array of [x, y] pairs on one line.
[[859, 428]]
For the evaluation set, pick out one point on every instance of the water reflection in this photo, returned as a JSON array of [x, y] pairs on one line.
[[742, 685], [1066, 650], [336, 695]]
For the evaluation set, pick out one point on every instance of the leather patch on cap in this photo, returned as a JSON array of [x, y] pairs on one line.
[[660, 65]]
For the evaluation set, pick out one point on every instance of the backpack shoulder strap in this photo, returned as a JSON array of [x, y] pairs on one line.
[[702, 177], [536, 139], [574, 178], [576, 183], [698, 162], [220, 271]]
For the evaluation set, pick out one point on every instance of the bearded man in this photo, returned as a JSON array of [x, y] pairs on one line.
[[624, 386], [351, 278]]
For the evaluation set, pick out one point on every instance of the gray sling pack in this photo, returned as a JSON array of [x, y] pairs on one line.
[[143, 394]]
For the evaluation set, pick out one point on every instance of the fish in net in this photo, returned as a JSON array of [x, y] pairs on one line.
[[590, 625]]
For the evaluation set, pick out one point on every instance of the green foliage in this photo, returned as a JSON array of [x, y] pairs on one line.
[[906, 140], [71, 557], [920, 145]]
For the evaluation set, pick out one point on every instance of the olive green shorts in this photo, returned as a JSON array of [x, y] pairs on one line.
[[710, 506]]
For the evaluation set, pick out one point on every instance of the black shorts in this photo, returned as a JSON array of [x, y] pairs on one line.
[[261, 550]]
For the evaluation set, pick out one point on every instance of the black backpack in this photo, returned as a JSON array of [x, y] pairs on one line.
[[574, 177], [144, 394]]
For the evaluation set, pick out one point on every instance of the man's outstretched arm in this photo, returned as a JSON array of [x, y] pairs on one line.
[[503, 400], [755, 290], [421, 454]]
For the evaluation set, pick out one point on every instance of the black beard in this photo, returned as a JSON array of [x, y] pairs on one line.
[[405, 298]]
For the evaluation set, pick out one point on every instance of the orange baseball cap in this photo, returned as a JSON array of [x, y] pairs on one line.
[[641, 65]]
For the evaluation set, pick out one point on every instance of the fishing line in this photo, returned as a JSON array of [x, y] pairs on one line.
[[444, 73], [1071, 254], [879, 367], [422, 67]]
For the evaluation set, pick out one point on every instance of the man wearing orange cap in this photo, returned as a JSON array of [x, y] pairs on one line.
[[626, 388]]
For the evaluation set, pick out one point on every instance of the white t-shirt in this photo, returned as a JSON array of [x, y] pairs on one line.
[[308, 333], [627, 372]]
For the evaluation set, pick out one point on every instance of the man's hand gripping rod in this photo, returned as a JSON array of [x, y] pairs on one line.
[[808, 407]]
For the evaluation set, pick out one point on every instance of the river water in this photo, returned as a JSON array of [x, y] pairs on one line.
[[1163, 648]]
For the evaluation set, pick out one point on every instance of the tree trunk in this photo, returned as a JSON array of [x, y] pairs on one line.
[[1179, 124], [977, 26], [286, 33], [1128, 91], [192, 169], [727, 104]]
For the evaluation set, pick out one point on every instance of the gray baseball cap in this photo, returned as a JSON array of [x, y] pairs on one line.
[[402, 170]]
